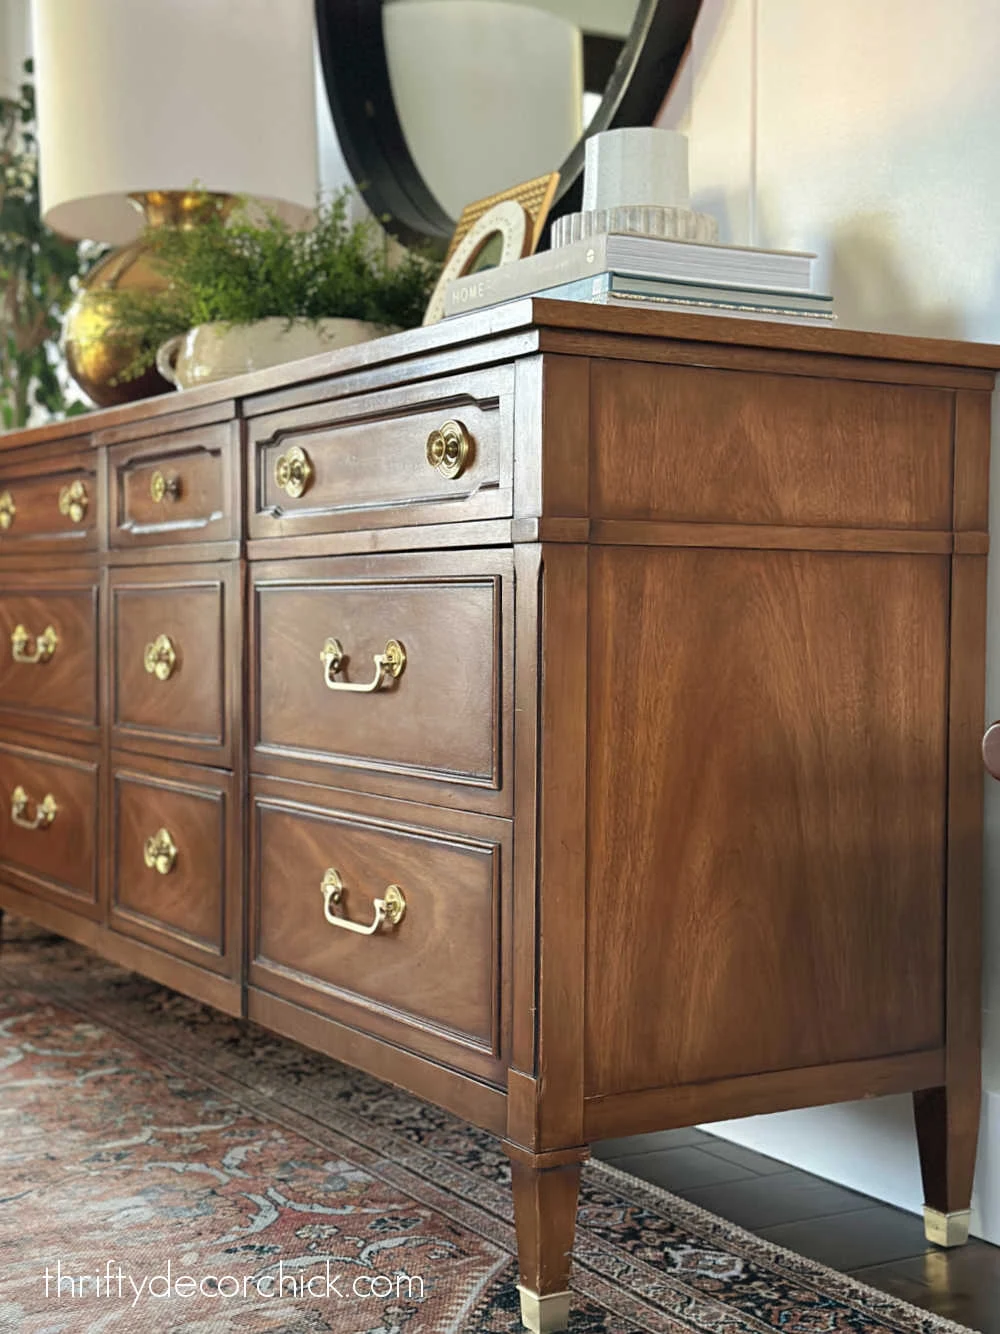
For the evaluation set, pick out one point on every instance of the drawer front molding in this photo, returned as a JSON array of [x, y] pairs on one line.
[[48, 651], [47, 511], [175, 489], [434, 453], [49, 820], [392, 927]]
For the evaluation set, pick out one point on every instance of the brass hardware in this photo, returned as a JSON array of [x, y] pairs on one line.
[[388, 666], [160, 852], [45, 644], [73, 501], [162, 487], [160, 658], [293, 472], [7, 510], [45, 810], [389, 909], [449, 449]]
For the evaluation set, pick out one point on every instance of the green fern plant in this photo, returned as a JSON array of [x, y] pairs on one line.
[[250, 267]]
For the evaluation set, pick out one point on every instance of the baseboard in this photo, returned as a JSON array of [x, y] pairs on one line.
[[871, 1147]]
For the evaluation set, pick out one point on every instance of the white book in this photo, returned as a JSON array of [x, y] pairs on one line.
[[638, 256]]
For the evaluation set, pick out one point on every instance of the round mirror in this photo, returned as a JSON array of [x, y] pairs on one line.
[[438, 103]]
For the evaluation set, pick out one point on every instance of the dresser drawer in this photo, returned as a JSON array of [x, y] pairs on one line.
[[47, 508], [175, 658], [431, 453], [48, 824], [428, 979], [175, 879], [175, 488], [390, 665], [48, 649]]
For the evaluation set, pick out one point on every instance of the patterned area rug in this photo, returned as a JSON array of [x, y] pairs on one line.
[[165, 1168]]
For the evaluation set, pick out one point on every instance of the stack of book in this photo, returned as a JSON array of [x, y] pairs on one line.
[[648, 271]]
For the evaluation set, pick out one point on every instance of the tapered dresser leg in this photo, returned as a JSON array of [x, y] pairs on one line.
[[545, 1200], [947, 1132]]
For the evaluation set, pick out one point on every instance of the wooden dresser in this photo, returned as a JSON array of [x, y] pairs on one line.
[[571, 715]]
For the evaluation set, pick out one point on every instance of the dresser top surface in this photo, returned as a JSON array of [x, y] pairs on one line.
[[529, 316]]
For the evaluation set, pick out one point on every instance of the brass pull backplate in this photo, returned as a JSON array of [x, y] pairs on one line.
[[160, 658], [388, 667], [293, 471], [162, 487], [45, 810], [449, 449], [73, 501], [160, 852], [45, 644], [7, 510], [389, 909]]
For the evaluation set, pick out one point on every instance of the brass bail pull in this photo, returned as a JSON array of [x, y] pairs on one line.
[[388, 667], [20, 644], [389, 909], [45, 810]]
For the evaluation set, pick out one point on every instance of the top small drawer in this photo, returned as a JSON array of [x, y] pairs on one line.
[[432, 453], [53, 509], [175, 488]]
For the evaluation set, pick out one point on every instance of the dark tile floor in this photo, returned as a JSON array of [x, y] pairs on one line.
[[877, 1244]]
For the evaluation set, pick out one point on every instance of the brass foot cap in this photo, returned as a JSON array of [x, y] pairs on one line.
[[544, 1315], [946, 1229]]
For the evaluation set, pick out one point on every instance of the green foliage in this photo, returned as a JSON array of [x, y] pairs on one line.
[[251, 267], [36, 267]]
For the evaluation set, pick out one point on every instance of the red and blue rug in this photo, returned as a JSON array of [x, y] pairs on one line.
[[164, 1168]]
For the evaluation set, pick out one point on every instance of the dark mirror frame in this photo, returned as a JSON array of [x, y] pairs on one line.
[[356, 73]]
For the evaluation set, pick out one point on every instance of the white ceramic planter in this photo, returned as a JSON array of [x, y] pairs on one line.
[[217, 351]]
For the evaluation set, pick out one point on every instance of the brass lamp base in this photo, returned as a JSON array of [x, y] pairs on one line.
[[96, 362]]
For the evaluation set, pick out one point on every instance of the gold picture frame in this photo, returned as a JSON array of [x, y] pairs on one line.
[[514, 218]]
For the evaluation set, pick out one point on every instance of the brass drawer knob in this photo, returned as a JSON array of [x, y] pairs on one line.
[[389, 909], [293, 471], [7, 510], [45, 810], [73, 501], [45, 644], [388, 667], [160, 658], [449, 449], [162, 487], [160, 852]]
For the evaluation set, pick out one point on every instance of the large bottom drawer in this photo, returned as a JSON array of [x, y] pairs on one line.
[[49, 811], [388, 917]]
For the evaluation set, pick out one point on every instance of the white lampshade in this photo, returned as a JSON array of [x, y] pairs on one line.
[[139, 95], [488, 94]]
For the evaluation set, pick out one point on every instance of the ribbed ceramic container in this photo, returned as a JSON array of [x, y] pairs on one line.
[[676, 224]]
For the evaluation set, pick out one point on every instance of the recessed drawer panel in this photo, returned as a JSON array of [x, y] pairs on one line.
[[175, 867], [393, 665], [48, 824], [175, 488], [432, 453], [174, 656], [52, 508], [389, 926], [48, 650]]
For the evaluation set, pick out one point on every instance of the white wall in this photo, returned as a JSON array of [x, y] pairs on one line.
[[14, 40], [868, 131]]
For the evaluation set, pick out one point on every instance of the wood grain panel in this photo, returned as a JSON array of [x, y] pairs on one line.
[[440, 718], [63, 688], [185, 910], [369, 459], [767, 812], [59, 860], [196, 607], [431, 983], [678, 442], [202, 465]]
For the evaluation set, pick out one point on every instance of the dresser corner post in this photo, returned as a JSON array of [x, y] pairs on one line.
[[546, 1191]]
